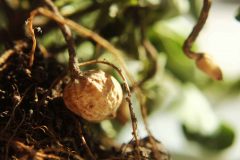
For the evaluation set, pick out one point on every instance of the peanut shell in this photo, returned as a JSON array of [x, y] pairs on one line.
[[206, 64], [95, 97]]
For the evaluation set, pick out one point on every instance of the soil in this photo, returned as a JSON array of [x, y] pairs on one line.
[[34, 122]]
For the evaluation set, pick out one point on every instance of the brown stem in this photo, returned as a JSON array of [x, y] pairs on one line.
[[84, 32], [32, 34], [30, 152], [196, 30], [73, 61]]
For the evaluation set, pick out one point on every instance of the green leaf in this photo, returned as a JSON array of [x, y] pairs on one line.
[[170, 42], [200, 123], [221, 139], [238, 15]]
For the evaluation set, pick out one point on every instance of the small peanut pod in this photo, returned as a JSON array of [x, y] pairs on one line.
[[206, 64], [95, 97]]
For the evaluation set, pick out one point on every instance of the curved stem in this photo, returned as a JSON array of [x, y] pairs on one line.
[[196, 30], [32, 34], [203, 61], [73, 61]]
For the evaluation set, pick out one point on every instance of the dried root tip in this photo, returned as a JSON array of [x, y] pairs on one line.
[[205, 63], [94, 97]]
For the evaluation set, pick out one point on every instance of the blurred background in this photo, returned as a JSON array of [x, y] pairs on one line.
[[195, 117], [220, 38]]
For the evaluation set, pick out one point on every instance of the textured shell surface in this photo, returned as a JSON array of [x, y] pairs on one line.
[[95, 97]]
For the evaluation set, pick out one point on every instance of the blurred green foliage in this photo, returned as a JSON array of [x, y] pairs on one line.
[[222, 138], [238, 14]]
